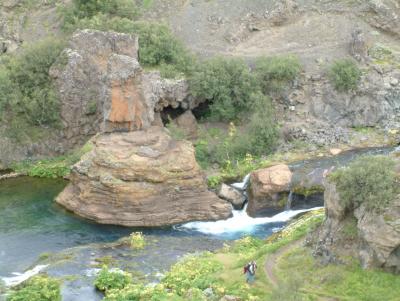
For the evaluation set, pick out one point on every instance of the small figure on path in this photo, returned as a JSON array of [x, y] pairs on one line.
[[250, 271]]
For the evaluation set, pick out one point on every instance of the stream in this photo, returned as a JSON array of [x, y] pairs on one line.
[[38, 235]]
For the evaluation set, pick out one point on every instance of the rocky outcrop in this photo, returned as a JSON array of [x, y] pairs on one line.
[[141, 178], [268, 190], [232, 195], [372, 237], [384, 15], [188, 124], [103, 88]]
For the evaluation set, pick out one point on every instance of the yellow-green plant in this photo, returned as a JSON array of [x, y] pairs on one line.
[[137, 240]]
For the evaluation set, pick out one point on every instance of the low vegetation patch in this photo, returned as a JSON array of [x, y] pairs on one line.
[[51, 168], [344, 75], [369, 180], [137, 240], [112, 279], [276, 72], [38, 288]]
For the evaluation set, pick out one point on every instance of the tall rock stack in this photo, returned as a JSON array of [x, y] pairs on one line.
[[136, 174]]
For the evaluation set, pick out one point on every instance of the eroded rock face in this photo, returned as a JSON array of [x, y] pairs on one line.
[[141, 178], [103, 88], [266, 188], [377, 235]]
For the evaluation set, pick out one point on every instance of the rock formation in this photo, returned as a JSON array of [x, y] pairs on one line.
[[141, 178], [268, 190], [103, 87], [376, 237], [232, 195]]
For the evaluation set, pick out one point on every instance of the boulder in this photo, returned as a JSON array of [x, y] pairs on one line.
[[267, 189], [380, 233], [188, 123], [143, 179], [377, 239], [232, 195], [335, 151]]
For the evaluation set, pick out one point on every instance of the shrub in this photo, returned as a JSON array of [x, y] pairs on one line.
[[275, 72], [137, 240], [369, 180], [38, 288], [228, 84], [27, 88], [112, 279], [344, 75]]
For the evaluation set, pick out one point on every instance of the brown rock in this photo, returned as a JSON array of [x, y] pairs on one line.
[[232, 195], [141, 178], [335, 151], [188, 123], [266, 188]]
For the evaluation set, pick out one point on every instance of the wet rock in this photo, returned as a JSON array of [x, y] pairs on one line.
[[141, 178], [232, 195], [266, 188]]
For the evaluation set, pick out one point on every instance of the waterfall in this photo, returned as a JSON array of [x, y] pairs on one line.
[[18, 278], [241, 222], [289, 201]]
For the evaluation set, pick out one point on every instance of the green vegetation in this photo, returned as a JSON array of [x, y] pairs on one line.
[[137, 240], [38, 288], [27, 89], [222, 272], [300, 276], [51, 168], [338, 282], [158, 46], [112, 279], [369, 180], [275, 72], [345, 75], [227, 84]]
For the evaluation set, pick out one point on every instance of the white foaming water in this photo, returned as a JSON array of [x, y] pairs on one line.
[[21, 277], [241, 222], [242, 185]]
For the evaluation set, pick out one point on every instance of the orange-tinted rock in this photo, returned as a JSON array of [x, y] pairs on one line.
[[266, 188], [141, 178]]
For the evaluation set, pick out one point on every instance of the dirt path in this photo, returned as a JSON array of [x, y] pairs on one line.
[[271, 261]]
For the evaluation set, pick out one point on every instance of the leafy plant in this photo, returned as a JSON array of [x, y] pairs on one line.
[[27, 88], [227, 84], [369, 180], [137, 240], [275, 72], [344, 75], [112, 279], [38, 288]]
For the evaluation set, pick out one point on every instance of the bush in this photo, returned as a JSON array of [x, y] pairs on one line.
[[38, 288], [137, 240], [275, 72], [86, 9], [26, 86], [368, 180], [112, 279], [227, 84], [345, 75]]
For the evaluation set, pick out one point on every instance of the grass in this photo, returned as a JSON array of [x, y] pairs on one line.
[[336, 281], [51, 168]]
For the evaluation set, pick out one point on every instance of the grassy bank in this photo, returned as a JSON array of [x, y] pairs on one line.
[[300, 276]]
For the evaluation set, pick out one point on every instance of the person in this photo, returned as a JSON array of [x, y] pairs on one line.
[[250, 271]]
